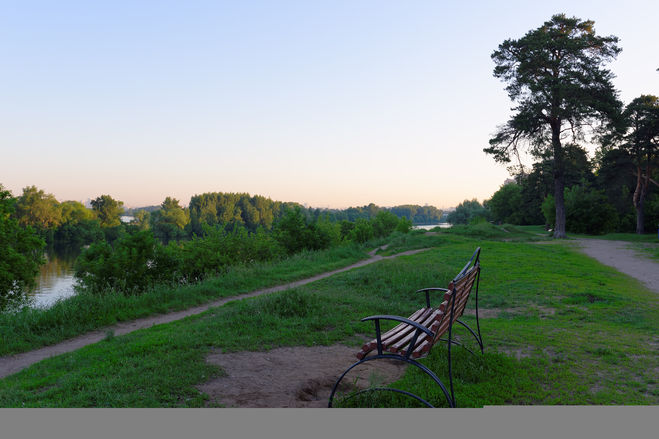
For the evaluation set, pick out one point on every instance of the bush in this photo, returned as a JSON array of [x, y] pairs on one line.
[[21, 253], [506, 204], [137, 261], [466, 211], [362, 232], [587, 211], [128, 267]]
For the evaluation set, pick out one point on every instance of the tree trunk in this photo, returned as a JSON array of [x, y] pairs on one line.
[[559, 181], [640, 218], [639, 200]]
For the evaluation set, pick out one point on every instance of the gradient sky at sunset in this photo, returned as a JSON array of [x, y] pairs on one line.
[[328, 103]]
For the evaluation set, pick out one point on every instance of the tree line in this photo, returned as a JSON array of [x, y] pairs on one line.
[[173, 243]]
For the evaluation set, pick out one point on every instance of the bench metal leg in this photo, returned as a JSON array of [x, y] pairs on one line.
[[476, 336], [400, 358]]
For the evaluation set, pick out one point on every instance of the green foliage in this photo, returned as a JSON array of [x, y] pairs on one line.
[[108, 210], [404, 225], [21, 254], [168, 222], [75, 212], [296, 233], [232, 209], [129, 267], [384, 223], [588, 211], [77, 233], [638, 137], [137, 261], [362, 232], [466, 211], [37, 209], [555, 76], [142, 219], [506, 204], [219, 249]]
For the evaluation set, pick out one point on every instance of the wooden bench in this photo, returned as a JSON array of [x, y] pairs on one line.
[[414, 337]]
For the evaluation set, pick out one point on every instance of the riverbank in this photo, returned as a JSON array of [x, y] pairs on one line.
[[32, 328], [558, 327]]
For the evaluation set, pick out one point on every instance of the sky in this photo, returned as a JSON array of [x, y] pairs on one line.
[[326, 103]]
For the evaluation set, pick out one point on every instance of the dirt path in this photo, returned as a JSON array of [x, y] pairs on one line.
[[14, 363], [619, 255], [298, 376]]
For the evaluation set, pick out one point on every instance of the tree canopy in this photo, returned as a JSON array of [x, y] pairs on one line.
[[638, 137], [108, 210], [555, 75], [38, 209], [21, 251]]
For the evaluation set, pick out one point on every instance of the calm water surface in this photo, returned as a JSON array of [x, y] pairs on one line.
[[432, 226], [55, 279]]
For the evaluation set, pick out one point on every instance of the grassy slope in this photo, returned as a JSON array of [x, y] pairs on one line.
[[33, 328], [585, 333]]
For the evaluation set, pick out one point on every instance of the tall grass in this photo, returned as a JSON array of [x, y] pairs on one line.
[[31, 328]]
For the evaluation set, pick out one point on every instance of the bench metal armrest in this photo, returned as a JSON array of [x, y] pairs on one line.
[[427, 291], [402, 320], [378, 336]]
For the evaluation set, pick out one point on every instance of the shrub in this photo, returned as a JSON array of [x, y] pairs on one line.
[[587, 211]]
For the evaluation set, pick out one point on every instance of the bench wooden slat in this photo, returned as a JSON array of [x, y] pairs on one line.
[[389, 335], [392, 336], [402, 344], [395, 334]]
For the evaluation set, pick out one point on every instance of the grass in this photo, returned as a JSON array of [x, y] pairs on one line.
[[629, 237], [561, 329], [489, 231], [650, 250], [32, 328]]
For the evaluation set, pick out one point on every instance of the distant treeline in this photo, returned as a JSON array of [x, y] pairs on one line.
[[71, 224], [172, 243]]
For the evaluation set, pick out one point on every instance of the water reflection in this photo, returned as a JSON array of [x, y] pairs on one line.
[[432, 226], [55, 279]]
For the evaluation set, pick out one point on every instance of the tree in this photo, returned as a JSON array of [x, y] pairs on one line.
[[38, 209], [108, 210], [506, 204], [467, 211], [555, 75], [21, 253], [587, 210], [639, 137], [169, 221], [75, 212], [615, 175], [142, 219]]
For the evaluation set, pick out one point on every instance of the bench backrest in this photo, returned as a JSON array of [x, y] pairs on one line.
[[460, 288]]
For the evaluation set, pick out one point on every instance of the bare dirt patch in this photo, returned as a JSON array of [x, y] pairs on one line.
[[293, 376]]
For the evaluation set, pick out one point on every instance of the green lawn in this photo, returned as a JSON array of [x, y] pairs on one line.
[[562, 329]]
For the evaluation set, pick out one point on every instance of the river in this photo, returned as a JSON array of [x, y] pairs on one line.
[[432, 226], [55, 279]]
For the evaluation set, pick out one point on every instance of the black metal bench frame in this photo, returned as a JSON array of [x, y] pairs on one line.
[[427, 333]]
